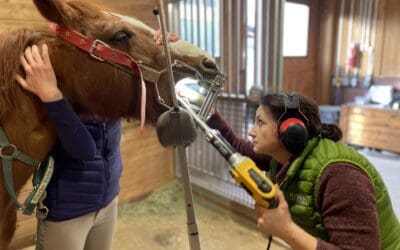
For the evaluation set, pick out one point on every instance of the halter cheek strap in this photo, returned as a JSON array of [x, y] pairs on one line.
[[101, 51], [41, 177]]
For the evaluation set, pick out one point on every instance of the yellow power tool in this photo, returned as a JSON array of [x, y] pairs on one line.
[[243, 169], [249, 176]]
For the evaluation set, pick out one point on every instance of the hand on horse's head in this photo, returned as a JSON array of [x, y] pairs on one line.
[[158, 38], [40, 77]]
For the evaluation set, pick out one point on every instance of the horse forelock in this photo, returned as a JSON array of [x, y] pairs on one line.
[[12, 45]]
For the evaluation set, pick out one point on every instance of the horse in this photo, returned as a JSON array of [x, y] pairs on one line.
[[91, 84]]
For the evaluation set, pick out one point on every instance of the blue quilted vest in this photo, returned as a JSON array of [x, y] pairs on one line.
[[79, 187]]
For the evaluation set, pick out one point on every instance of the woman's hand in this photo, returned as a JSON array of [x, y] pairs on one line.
[[275, 221], [40, 77], [159, 39], [278, 222]]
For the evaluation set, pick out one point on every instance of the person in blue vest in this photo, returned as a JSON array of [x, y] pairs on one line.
[[82, 196], [330, 196]]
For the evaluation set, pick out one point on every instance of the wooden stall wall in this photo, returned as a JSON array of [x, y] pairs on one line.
[[326, 50], [146, 164], [379, 50], [387, 57]]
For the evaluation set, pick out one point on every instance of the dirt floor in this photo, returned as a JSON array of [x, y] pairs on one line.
[[159, 222]]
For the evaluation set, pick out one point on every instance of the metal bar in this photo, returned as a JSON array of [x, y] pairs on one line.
[[255, 62], [260, 43], [172, 17], [198, 23], [186, 20], [246, 32], [238, 44], [360, 8], [346, 80], [280, 58], [351, 20], [163, 26], [368, 28], [192, 21], [363, 23], [175, 20], [266, 35], [355, 74], [275, 47], [212, 29], [339, 39], [193, 235], [375, 24], [229, 47], [178, 18], [371, 55], [205, 25], [221, 35], [169, 21]]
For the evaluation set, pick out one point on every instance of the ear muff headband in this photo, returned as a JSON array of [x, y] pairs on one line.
[[292, 130]]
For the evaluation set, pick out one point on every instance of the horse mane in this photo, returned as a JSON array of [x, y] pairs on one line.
[[12, 45]]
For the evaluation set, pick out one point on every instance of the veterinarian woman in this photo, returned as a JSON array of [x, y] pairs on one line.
[[330, 196], [82, 196]]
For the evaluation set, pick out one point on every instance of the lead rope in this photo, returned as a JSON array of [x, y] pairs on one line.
[[41, 210]]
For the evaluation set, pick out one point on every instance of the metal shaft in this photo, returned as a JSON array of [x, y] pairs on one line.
[[163, 27], [193, 234]]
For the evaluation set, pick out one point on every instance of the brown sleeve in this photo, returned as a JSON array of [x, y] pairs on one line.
[[346, 198], [243, 146]]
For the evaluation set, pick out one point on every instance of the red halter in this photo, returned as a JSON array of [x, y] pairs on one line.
[[103, 52]]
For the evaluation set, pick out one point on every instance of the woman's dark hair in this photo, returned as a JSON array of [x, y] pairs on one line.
[[275, 106]]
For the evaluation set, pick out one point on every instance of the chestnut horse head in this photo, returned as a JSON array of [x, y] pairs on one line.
[[93, 87]]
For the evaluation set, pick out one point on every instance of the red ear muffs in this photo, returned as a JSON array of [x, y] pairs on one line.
[[292, 131]]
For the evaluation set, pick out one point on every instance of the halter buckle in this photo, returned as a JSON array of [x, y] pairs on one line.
[[93, 49], [8, 156]]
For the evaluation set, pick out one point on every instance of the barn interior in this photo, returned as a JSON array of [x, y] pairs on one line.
[[342, 53]]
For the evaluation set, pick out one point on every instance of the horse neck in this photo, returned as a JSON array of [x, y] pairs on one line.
[[29, 128]]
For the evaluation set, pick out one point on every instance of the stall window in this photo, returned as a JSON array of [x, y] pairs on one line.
[[295, 30]]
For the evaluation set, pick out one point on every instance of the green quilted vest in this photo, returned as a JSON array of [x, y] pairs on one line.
[[301, 183]]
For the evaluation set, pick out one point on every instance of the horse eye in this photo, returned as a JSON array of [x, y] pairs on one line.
[[121, 36]]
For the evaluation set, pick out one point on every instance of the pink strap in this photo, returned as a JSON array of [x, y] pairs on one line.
[[142, 105]]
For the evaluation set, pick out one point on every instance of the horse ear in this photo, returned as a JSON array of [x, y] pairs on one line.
[[57, 11]]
